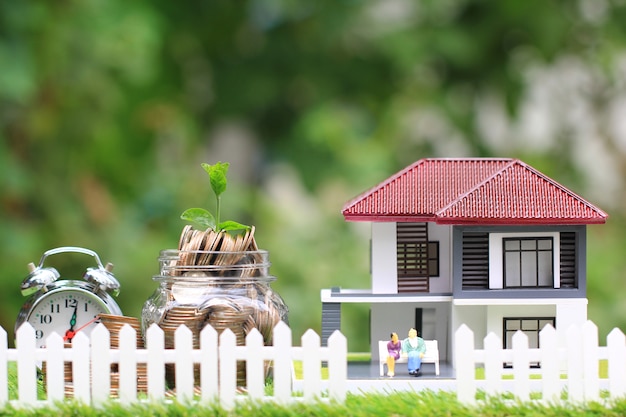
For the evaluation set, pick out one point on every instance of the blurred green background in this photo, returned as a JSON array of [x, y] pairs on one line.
[[108, 107]]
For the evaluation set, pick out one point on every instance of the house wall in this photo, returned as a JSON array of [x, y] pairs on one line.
[[384, 255], [495, 271], [483, 319], [496, 314], [474, 317], [442, 234], [384, 258], [568, 313]]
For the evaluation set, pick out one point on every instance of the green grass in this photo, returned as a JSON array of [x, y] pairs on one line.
[[352, 357], [359, 357], [427, 403], [398, 404], [13, 386]]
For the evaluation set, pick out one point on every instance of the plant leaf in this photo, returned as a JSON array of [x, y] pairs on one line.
[[217, 175], [230, 225], [200, 217]]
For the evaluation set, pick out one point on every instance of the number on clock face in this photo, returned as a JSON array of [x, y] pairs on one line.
[[65, 312]]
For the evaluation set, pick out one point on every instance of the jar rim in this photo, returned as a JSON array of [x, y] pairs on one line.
[[174, 252], [218, 279]]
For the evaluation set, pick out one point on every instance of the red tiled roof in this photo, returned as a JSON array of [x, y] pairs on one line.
[[472, 191]]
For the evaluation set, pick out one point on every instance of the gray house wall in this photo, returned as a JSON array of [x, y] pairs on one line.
[[581, 264]]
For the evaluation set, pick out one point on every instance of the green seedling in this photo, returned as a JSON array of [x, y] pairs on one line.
[[205, 219]]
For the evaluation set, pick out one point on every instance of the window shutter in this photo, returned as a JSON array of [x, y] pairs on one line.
[[412, 259]]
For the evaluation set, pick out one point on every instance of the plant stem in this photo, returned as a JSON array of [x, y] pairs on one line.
[[217, 217]]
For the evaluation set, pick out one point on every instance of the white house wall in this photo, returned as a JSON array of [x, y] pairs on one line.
[[384, 255], [568, 313], [483, 318], [497, 313], [442, 234], [474, 317]]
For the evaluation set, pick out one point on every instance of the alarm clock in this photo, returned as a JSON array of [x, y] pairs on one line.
[[67, 306]]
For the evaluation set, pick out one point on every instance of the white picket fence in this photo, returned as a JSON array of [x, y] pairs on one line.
[[569, 372], [91, 360], [566, 373]]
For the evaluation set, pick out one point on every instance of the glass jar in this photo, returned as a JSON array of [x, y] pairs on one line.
[[228, 290]]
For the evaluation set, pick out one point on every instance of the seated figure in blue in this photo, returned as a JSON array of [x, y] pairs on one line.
[[414, 348]]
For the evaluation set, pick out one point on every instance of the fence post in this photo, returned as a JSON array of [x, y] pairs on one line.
[[521, 366], [255, 374], [311, 365], [591, 364], [26, 368], [616, 345], [128, 365], [283, 362], [184, 363], [101, 364], [493, 364], [465, 366], [155, 345], [208, 364], [337, 366], [228, 369], [80, 368], [55, 378], [550, 364], [574, 351]]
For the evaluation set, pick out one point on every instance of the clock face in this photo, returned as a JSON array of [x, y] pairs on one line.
[[65, 312]]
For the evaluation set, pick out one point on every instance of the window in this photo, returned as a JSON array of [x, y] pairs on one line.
[[528, 262], [527, 267], [531, 326], [418, 259]]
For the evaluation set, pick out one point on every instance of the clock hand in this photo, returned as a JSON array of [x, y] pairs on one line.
[[69, 335], [73, 319]]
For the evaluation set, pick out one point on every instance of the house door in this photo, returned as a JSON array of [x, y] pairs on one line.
[[419, 324], [425, 323]]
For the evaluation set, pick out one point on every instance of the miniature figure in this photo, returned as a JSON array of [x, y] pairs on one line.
[[394, 346], [414, 348]]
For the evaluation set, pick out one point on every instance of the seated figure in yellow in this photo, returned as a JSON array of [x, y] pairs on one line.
[[393, 348], [414, 348]]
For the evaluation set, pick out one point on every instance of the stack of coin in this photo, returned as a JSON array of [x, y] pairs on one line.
[[211, 241], [234, 316], [175, 316], [230, 315], [67, 372], [114, 324], [210, 248], [240, 314], [269, 313]]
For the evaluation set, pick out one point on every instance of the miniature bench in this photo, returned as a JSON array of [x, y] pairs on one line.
[[431, 355]]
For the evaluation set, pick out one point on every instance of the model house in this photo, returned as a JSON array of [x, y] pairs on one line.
[[492, 243]]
